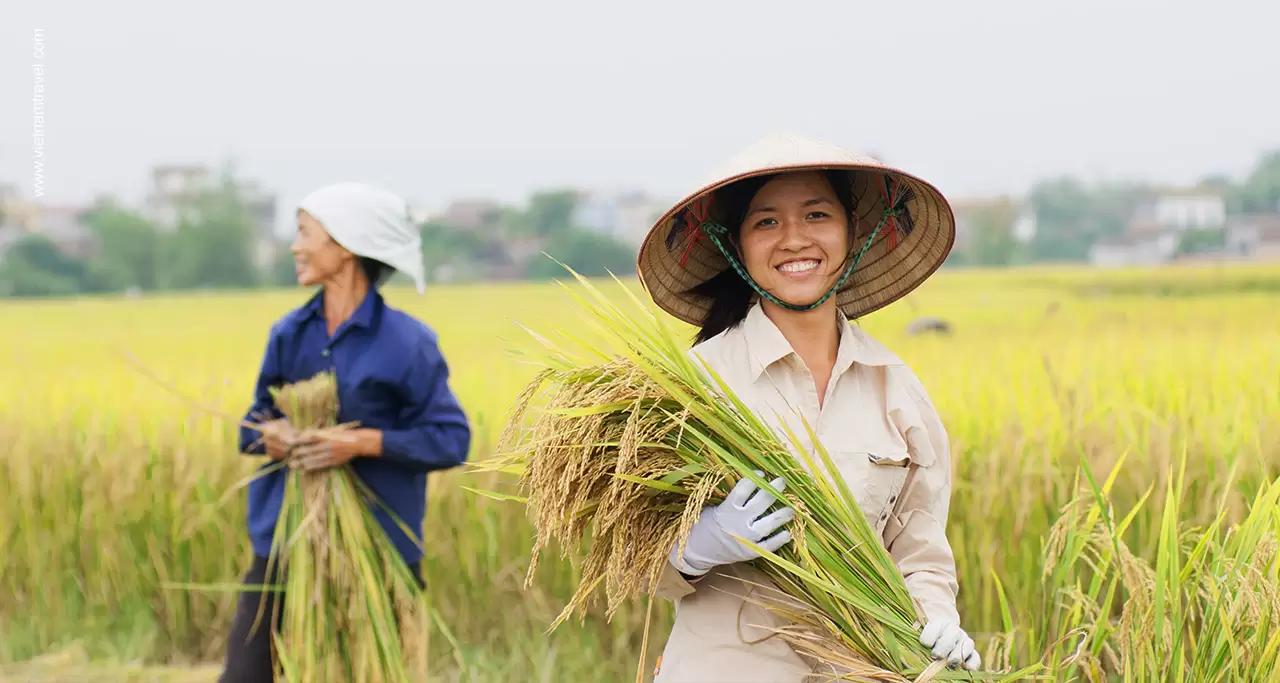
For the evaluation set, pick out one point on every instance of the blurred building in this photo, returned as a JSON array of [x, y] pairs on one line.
[[966, 211], [624, 215], [1157, 228], [470, 214], [1179, 212], [261, 206], [1134, 248], [176, 191], [1254, 236], [61, 224]]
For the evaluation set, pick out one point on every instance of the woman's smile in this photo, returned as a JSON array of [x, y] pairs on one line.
[[800, 268]]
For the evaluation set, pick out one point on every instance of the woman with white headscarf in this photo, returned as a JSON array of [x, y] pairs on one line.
[[392, 380]]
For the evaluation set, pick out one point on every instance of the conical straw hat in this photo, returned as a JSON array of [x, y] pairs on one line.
[[910, 245]]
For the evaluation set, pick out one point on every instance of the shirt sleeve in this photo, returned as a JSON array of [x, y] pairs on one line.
[[432, 431], [672, 584], [263, 408], [918, 540]]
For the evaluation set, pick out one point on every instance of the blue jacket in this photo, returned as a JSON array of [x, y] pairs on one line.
[[391, 376]]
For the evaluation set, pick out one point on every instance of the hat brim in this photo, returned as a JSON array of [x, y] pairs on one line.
[[894, 265]]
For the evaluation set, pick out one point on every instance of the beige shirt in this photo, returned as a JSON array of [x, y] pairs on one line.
[[889, 445]]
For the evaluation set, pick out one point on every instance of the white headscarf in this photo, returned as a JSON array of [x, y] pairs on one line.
[[369, 222]]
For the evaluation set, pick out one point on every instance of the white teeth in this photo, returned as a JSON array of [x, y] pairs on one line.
[[798, 266]]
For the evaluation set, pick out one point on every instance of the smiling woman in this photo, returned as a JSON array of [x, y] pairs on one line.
[[316, 254], [767, 260]]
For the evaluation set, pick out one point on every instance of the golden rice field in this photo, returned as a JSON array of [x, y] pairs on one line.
[[111, 489]]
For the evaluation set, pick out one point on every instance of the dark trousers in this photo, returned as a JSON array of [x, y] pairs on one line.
[[249, 657]]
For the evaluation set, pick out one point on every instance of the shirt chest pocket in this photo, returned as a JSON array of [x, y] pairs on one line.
[[376, 397], [875, 477]]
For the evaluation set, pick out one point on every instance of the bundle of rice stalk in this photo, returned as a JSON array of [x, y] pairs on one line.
[[636, 437], [352, 609]]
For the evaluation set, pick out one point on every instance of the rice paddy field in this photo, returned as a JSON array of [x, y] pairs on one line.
[[1163, 384]]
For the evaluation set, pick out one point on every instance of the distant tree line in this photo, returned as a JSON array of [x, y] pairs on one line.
[[516, 243], [127, 251], [216, 245], [1071, 216]]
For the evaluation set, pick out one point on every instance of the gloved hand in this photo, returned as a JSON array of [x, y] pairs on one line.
[[947, 640], [711, 541]]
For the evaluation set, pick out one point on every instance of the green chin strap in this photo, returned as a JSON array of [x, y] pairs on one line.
[[717, 232]]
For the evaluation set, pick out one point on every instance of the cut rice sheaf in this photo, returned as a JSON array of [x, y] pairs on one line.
[[621, 440]]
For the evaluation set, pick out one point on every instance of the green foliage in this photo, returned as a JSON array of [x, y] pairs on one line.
[[280, 272], [994, 243], [590, 254], [1200, 241], [550, 213], [444, 245], [1071, 216], [130, 253], [1260, 192], [34, 267], [546, 225], [216, 249]]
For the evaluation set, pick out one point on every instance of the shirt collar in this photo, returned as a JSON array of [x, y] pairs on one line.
[[766, 345], [362, 317]]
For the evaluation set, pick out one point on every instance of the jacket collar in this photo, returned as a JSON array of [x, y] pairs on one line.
[[365, 314]]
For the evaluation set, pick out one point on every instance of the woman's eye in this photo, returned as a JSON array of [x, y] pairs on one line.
[[818, 215], [766, 222]]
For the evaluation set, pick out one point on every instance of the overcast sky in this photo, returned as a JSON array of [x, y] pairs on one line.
[[443, 100]]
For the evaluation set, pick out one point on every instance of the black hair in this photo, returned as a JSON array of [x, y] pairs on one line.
[[730, 294], [374, 269]]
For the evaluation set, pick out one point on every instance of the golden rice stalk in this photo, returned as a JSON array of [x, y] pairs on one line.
[[351, 611], [1206, 608]]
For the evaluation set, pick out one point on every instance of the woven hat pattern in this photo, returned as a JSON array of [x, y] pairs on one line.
[[911, 244]]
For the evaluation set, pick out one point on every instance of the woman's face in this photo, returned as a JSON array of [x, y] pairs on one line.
[[795, 237], [316, 257]]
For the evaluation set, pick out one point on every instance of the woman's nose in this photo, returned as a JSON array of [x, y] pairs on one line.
[[793, 235]]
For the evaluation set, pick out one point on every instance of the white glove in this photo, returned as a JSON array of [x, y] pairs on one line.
[[711, 541], [947, 640]]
